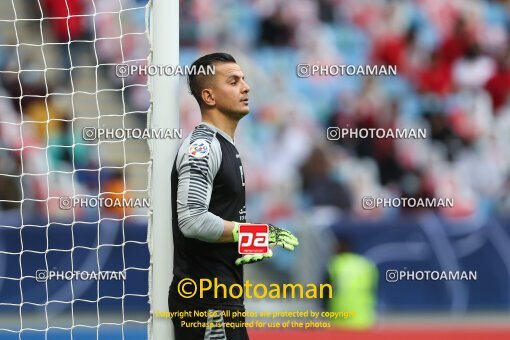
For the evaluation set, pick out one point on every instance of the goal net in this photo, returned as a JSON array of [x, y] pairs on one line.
[[74, 193]]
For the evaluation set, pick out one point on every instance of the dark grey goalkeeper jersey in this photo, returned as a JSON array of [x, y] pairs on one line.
[[207, 188]]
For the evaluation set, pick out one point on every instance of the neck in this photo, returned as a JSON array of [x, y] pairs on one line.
[[221, 121]]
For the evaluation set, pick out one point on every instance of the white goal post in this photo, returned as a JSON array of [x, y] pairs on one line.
[[164, 114]]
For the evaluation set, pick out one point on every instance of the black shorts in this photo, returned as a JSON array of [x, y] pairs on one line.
[[210, 324]]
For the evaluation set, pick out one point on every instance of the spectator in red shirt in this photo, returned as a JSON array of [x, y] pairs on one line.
[[68, 26], [455, 45], [436, 76], [499, 84]]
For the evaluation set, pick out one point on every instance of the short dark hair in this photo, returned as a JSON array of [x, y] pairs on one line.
[[194, 81]]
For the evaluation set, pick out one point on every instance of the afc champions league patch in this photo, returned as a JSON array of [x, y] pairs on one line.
[[199, 148]]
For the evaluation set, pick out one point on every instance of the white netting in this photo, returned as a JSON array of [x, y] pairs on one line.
[[58, 77]]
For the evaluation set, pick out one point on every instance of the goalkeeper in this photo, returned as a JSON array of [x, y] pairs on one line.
[[208, 204]]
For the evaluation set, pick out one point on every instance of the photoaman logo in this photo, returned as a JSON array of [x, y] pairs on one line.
[[253, 239]]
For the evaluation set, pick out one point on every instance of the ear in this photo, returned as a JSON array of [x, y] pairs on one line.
[[208, 97]]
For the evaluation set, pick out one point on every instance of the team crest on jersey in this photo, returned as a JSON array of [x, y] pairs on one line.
[[199, 148]]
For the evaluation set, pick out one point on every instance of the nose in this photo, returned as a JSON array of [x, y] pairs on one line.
[[246, 87]]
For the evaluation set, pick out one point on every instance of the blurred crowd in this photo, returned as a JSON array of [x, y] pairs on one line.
[[43, 153], [453, 61]]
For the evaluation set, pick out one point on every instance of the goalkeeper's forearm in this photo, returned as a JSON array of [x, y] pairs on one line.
[[227, 236], [207, 227], [277, 236]]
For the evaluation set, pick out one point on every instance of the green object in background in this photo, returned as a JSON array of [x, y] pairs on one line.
[[354, 280]]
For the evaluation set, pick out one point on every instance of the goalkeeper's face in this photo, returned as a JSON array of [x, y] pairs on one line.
[[230, 90]]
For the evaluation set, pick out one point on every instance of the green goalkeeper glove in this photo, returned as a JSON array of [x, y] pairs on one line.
[[277, 237], [252, 258], [281, 237]]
